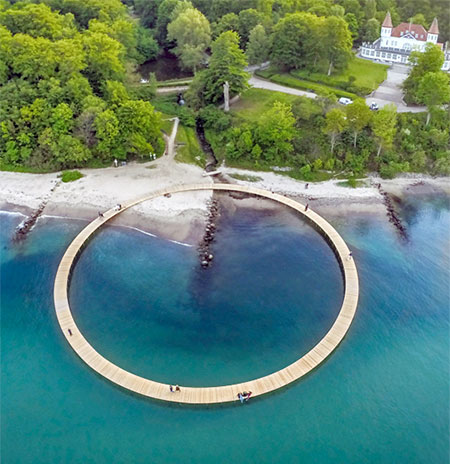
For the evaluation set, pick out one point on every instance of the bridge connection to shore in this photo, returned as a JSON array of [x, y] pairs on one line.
[[224, 393]]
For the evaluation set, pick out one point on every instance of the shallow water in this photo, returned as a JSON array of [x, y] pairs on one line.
[[273, 291]]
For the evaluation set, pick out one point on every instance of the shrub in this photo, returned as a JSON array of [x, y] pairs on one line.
[[70, 176]]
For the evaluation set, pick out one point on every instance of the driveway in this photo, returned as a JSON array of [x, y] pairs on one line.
[[390, 91], [259, 83]]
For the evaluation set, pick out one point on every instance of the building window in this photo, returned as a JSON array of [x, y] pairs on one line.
[[394, 56], [378, 53], [383, 55], [372, 53], [388, 56]]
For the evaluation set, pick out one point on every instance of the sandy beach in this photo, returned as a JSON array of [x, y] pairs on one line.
[[182, 217]]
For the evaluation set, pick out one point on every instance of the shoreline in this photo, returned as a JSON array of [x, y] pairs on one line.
[[182, 217]]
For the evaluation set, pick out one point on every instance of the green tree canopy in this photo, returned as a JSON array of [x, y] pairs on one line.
[[258, 47], [227, 64], [275, 133], [384, 126], [192, 34], [358, 117], [295, 40], [336, 122], [336, 41], [429, 61], [434, 90]]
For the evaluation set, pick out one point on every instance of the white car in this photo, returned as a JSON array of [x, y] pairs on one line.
[[345, 101]]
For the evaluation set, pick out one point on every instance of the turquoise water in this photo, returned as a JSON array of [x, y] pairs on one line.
[[273, 291]]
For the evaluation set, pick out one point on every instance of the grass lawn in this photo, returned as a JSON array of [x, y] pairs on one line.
[[367, 73], [188, 150], [166, 125], [290, 80], [254, 102], [368, 76]]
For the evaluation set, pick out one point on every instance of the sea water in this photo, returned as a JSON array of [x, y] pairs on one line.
[[273, 291]]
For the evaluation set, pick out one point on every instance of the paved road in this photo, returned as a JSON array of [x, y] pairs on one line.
[[258, 83], [390, 91], [178, 88]]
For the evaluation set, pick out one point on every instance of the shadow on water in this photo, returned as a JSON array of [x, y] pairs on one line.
[[166, 67]]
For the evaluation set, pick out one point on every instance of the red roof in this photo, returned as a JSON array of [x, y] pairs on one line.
[[434, 29], [417, 30], [387, 20]]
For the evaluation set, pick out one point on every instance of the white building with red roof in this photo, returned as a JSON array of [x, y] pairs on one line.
[[396, 43]]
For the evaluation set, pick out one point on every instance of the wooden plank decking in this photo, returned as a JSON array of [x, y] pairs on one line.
[[220, 394]]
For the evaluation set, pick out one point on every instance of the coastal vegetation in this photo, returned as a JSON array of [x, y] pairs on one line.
[[65, 73], [320, 139], [70, 95], [70, 176]]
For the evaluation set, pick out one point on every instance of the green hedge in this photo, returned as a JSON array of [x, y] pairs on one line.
[[331, 81], [290, 81]]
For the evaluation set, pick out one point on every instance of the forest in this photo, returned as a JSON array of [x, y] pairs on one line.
[[70, 93]]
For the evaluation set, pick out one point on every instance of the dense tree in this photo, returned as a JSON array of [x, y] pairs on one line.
[[371, 30], [336, 42], [336, 122], [228, 22], [258, 47], [358, 117], [353, 25], [38, 21], [104, 58], [192, 34], [164, 17], [248, 20], [433, 91], [147, 11], [384, 126], [61, 99], [275, 133], [295, 40], [370, 9], [227, 64], [147, 46], [429, 61]]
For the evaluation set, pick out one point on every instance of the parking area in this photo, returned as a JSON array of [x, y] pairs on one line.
[[390, 91]]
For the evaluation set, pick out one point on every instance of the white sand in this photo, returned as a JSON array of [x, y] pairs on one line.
[[101, 189], [182, 216]]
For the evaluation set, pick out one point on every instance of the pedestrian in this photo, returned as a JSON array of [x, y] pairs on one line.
[[306, 186], [116, 163], [350, 256], [100, 214], [118, 207], [70, 332], [171, 388], [306, 207], [177, 388]]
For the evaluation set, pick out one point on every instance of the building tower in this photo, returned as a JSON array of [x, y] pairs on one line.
[[433, 33], [386, 27]]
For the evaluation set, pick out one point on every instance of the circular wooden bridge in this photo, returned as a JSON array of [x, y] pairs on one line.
[[219, 394]]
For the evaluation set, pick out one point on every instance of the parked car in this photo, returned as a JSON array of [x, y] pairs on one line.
[[345, 101], [374, 106]]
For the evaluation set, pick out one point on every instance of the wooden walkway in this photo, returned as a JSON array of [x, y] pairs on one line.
[[220, 394]]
